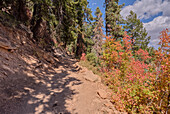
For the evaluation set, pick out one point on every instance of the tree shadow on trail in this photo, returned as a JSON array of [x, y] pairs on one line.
[[38, 91]]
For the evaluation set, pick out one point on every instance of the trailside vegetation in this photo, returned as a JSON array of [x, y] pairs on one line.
[[138, 87]]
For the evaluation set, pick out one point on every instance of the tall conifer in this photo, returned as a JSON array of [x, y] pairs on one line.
[[113, 18], [98, 32], [138, 33]]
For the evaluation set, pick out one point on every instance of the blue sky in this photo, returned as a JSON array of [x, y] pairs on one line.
[[155, 14]]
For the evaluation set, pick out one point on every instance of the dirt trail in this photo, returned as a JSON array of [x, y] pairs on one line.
[[64, 90]]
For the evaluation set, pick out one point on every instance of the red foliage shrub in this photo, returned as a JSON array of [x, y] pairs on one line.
[[137, 86], [83, 57]]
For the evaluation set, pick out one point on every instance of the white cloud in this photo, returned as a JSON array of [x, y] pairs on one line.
[[94, 4], [155, 27], [145, 9], [166, 8]]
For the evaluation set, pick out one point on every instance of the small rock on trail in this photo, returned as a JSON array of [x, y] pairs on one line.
[[102, 93]]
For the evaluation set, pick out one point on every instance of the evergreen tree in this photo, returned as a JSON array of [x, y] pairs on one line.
[[138, 33], [67, 22], [113, 18], [98, 33], [83, 15]]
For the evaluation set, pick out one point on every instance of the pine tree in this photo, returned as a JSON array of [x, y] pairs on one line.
[[98, 33], [83, 15], [113, 18], [138, 33], [68, 22]]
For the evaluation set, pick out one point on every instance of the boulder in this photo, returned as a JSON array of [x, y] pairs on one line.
[[90, 76]]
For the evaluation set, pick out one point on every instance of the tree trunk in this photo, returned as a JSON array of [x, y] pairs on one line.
[[39, 29], [106, 18], [80, 46]]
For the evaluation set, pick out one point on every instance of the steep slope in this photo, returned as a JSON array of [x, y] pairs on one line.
[[20, 59]]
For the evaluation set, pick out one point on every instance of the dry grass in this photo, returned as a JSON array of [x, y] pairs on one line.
[[90, 66]]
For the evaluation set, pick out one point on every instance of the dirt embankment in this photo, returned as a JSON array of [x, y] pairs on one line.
[[22, 67]]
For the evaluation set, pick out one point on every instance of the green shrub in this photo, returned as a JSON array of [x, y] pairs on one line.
[[92, 58]]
